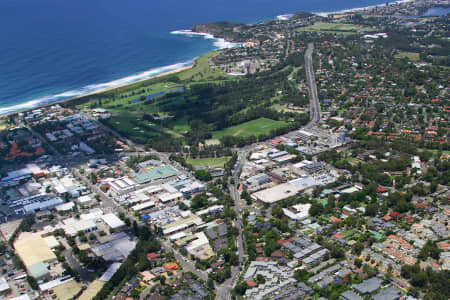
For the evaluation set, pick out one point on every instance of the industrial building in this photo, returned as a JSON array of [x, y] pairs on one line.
[[35, 254], [277, 193], [30, 205], [113, 221]]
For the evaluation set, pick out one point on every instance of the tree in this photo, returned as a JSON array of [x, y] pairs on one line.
[[260, 279], [315, 209], [32, 282], [202, 175], [301, 275], [371, 209], [240, 288], [357, 248], [430, 249], [93, 178]]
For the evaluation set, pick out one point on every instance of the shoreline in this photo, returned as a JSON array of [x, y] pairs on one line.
[[350, 10], [221, 43], [100, 91]]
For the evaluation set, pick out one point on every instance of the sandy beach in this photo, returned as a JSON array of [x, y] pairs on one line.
[[98, 91], [325, 14]]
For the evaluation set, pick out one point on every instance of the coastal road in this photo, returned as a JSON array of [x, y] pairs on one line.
[[312, 87]]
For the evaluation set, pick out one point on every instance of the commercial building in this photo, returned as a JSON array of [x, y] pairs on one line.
[[14, 177], [192, 188], [161, 172], [276, 193], [30, 205], [4, 287], [123, 185], [35, 254], [116, 249], [72, 226], [169, 197], [297, 212], [186, 221], [85, 201], [113, 221], [199, 247]]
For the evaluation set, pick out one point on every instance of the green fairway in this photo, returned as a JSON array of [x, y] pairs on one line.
[[336, 28], [410, 55], [135, 128], [201, 70], [218, 162], [254, 127]]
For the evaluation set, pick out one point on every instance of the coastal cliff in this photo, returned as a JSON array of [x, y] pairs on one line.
[[232, 32]]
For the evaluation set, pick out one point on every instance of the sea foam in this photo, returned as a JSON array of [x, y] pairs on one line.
[[285, 17], [219, 43], [93, 88]]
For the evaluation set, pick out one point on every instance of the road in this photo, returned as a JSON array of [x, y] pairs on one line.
[[76, 266], [188, 266], [224, 290], [312, 87]]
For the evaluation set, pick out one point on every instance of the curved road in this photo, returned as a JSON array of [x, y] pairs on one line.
[[312, 87]]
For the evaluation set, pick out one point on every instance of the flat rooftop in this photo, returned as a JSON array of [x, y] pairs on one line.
[[155, 174], [33, 249], [277, 193]]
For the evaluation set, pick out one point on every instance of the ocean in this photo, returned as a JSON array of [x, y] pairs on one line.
[[52, 50]]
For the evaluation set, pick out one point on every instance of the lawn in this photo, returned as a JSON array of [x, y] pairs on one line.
[[217, 162], [3, 124], [201, 70], [347, 234], [410, 55], [135, 128], [279, 107], [254, 127], [336, 28]]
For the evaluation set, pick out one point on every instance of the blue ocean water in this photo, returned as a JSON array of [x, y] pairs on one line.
[[52, 50]]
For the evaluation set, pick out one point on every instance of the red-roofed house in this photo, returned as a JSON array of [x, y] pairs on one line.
[[381, 189], [277, 254], [281, 242], [337, 236], [335, 219], [152, 255], [251, 284]]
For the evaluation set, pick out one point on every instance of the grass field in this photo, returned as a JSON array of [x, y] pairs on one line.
[[218, 162], [336, 28], [135, 128], [279, 107], [127, 117], [3, 124], [410, 55], [254, 127], [201, 70], [347, 234]]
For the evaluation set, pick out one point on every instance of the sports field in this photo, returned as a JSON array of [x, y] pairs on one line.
[[254, 127], [410, 55], [336, 28], [217, 162]]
